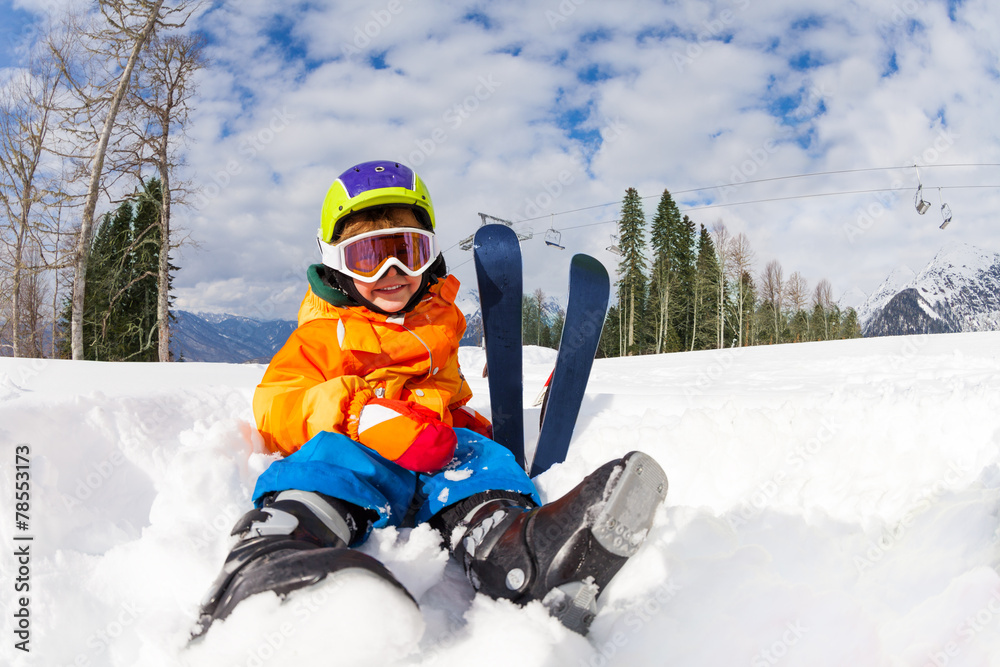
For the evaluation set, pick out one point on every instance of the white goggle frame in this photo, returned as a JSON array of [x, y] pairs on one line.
[[333, 254]]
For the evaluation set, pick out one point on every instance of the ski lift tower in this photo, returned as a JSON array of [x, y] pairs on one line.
[[466, 243]]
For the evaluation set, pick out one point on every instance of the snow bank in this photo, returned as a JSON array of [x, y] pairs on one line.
[[830, 504]]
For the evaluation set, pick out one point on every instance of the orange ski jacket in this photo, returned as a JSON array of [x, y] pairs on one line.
[[340, 357]]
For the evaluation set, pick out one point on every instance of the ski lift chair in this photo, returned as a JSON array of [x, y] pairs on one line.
[[945, 215], [614, 248], [554, 239], [921, 204]]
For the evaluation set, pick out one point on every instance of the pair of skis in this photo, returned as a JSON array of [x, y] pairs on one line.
[[498, 269]]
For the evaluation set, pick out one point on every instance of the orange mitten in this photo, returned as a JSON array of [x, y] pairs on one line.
[[407, 433]]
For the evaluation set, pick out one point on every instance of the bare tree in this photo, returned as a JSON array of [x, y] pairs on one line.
[[741, 259], [166, 87], [118, 14], [797, 290], [724, 250], [772, 291], [25, 123], [823, 299], [119, 38]]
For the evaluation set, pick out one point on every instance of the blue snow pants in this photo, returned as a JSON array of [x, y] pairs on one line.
[[335, 465]]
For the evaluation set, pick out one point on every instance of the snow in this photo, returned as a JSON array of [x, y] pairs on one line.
[[830, 504]]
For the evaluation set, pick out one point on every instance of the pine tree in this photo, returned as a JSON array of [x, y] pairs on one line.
[[683, 303], [706, 295], [850, 328], [632, 284], [665, 279]]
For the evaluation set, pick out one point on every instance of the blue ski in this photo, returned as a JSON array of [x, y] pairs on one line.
[[589, 289], [498, 269]]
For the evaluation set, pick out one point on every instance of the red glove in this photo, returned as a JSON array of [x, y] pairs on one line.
[[466, 417], [407, 433]]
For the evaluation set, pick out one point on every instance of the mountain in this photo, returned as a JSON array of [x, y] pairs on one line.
[[958, 290], [227, 338], [234, 339], [468, 302]]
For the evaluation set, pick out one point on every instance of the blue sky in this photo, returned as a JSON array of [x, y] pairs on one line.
[[15, 27], [550, 110]]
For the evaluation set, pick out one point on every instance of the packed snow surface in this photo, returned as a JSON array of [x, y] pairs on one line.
[[830, 504]]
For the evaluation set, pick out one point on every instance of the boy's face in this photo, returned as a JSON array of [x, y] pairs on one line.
[[394, 290]]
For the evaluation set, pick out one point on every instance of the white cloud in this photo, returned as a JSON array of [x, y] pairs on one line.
[[524, 109]]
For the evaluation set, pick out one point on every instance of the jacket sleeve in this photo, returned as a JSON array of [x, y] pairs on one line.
[[304, 392]]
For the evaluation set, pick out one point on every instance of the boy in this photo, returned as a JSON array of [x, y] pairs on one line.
[[366, 402]]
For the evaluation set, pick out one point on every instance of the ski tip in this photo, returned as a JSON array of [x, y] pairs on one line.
[[493, 233], [589, 263]]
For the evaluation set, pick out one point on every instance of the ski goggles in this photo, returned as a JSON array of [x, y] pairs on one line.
[[367, 257]]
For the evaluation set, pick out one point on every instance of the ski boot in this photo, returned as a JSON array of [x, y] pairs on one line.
[[295, 540], [565, 552]]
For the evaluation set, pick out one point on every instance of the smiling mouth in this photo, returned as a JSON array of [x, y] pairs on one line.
[[393, 288]]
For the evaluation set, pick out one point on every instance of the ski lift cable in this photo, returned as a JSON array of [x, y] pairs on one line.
[[759, 201], [790, 197], [768, 180]]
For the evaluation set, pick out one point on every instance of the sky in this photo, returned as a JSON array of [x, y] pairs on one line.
[[760, 114]]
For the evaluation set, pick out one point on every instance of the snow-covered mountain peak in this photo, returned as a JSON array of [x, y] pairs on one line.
[[959, 254], [958, 290], [899, 279], [956, 267]]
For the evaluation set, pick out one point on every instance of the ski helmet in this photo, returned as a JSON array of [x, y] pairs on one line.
[[377, 183]]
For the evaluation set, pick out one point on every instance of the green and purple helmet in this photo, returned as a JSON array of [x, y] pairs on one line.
[[377, 183]]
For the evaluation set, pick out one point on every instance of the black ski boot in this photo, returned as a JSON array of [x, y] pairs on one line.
[[295, 540], [565, 552]]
